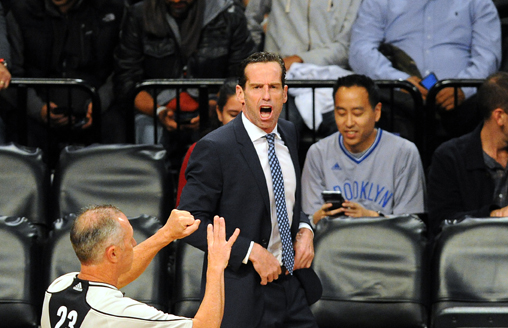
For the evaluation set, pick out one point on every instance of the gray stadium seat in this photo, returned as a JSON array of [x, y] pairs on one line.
[[470, 271], [20, 300], [373, 272], [131, 177], [24, 184]]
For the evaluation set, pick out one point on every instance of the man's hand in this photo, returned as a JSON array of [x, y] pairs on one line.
[[265, 264], [193, 125], [88, 117], [219, 249], [416, 82], [167, 118], [446, 98], [290, 60], [325, 211], [304, 249], [356, 210], [54, 119], [5, 77], [180, 224], [502, 212]]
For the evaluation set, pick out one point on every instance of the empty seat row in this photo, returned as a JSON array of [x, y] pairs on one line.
[[376, 272], [132, 177], [384, 272]]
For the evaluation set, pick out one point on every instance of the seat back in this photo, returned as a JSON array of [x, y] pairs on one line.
[[24, 183], [470, 266], [131, 177], [19, 301], [373, 272], [187, 282], [151, 287]]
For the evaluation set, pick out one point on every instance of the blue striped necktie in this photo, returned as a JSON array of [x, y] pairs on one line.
[[280, 203]]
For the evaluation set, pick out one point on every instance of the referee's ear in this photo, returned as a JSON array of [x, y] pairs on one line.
[[112, 254]]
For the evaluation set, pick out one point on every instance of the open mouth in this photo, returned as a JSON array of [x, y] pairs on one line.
[[265, 112]]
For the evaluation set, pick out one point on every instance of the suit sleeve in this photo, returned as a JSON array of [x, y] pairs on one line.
[[201, 196]]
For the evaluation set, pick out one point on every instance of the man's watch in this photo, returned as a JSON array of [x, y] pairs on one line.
[[3, 62]]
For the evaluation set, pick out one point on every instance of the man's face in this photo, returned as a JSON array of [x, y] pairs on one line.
[[179, 8], [127, 245], [264, 95], [356, 118], [231, 110]]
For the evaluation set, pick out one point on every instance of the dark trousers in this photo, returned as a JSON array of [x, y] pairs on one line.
[[286, 305]]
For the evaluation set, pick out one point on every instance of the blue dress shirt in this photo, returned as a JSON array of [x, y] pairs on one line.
[[452, 38]]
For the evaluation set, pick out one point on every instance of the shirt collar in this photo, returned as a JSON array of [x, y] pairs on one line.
[[254, 131]]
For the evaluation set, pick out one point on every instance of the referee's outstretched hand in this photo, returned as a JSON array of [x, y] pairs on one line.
[[219, 249]]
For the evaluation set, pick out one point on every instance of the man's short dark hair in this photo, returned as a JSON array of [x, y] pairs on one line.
[[358, 80], [261, 57], [493, 94]]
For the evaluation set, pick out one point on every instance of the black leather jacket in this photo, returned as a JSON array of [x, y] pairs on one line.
[[225, 41]]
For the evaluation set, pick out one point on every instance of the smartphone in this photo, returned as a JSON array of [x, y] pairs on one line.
[[429, 81], [333, 196], [186, 121], [61, 110]]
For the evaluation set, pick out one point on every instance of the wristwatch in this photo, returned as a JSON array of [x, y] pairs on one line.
[[3, 62]]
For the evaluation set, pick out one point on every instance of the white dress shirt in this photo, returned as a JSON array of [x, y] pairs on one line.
[[257, 136]]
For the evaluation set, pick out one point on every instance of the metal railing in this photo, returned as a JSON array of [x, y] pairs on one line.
[[23, 84], [431, 108], [204, 87]]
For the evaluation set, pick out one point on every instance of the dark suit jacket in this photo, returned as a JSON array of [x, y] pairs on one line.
[[224, 177]]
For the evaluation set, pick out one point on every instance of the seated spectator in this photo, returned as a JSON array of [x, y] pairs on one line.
[[455, 39], [175, 39], [66, 39], [377, 172], [468, 176], [228, 107], [320, 33], [103, 241]]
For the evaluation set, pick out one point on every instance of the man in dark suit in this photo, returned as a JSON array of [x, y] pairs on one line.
[[229, 174]]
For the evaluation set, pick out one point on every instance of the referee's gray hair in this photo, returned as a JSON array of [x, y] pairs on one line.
[[95, 229]]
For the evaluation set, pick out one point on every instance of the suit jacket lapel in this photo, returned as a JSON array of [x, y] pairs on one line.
[[290, 140], [291, 144], [251, 157]]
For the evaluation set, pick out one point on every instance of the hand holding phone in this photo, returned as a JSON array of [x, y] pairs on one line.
[[429, 81], [333, 196]]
